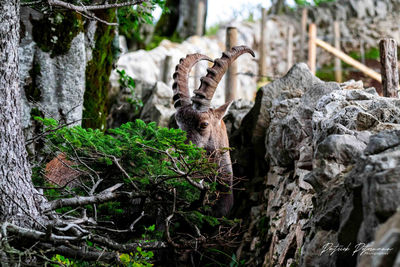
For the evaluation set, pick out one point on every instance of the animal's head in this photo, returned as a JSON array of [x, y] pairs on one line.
[[204, 125]]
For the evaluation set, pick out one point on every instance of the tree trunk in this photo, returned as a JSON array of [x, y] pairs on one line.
[[182, 19], [277, 7], [19, 200]]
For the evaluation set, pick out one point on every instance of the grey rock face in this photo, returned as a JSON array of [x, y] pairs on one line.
[[60, 79], [387, 241], [159, 106], [331, 175], [237, 111]]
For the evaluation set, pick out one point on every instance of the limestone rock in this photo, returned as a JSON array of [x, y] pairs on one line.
[[159, 106]]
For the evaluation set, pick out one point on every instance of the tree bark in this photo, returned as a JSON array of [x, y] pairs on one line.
[[19, 201], [182, 19], [277, 7]]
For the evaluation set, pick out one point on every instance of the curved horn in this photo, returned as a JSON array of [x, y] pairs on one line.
[[209, 83], [180, 86]]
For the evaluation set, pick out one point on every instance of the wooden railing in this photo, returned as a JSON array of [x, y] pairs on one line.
[[389, 76], [312, 55]]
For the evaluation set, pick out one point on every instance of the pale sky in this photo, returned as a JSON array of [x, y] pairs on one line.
[[223, 10]]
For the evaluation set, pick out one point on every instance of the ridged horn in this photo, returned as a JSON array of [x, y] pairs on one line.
[[180, 86], [203, 95]]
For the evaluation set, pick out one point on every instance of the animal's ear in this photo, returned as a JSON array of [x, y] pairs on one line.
[[222, 110]]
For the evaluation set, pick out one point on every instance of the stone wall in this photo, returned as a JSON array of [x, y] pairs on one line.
[[322, 172]]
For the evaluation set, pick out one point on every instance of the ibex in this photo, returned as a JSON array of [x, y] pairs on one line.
[[204, 125]]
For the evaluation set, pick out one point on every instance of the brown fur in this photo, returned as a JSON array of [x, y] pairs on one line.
[[204, 125], [212, 138]]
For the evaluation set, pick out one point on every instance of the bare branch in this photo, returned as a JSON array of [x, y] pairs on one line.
[[33, 139], [130, 246], [31, 3], [36, 235], [94, 7], [81, 254], [102, 197], [124, 172], [90, 15], [135, 221]]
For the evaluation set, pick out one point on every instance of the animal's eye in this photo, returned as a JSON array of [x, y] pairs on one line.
[[203, 125]]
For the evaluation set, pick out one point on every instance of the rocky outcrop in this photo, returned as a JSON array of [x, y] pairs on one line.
[[327, 178], [52, 67]]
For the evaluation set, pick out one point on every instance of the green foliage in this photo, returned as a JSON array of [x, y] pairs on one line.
[[211, 31], [157, 39], [138, 146], [314, 2], [143, 158], [140, 258], [235, 262], [132, 18], [62, 260], [372, 53], [199, 218], [126, 81], [326, 73]]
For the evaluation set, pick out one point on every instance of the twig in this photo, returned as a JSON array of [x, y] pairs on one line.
[[104, 196], [135, 221], [124, 172], [31, 140], [82, 255], [176, 169], [167, 222], [90, 15], [31, 3], [37, 235], [94, 7]]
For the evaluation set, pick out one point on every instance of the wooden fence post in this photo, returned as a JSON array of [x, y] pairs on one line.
[[389, 68], [338, 63], [303, 34], [200, 18], [312, 47], [289, 58], [231, 74], [262, 67], [167, 68]]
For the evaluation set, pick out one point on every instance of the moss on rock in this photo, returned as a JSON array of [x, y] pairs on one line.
[[32, 91], [54, 33], [98, 72]]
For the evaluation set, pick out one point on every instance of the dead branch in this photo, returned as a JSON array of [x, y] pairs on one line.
[[102, 197], [94, 7], [47, 132], [37, 235], [130, 246], [81, 254]]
